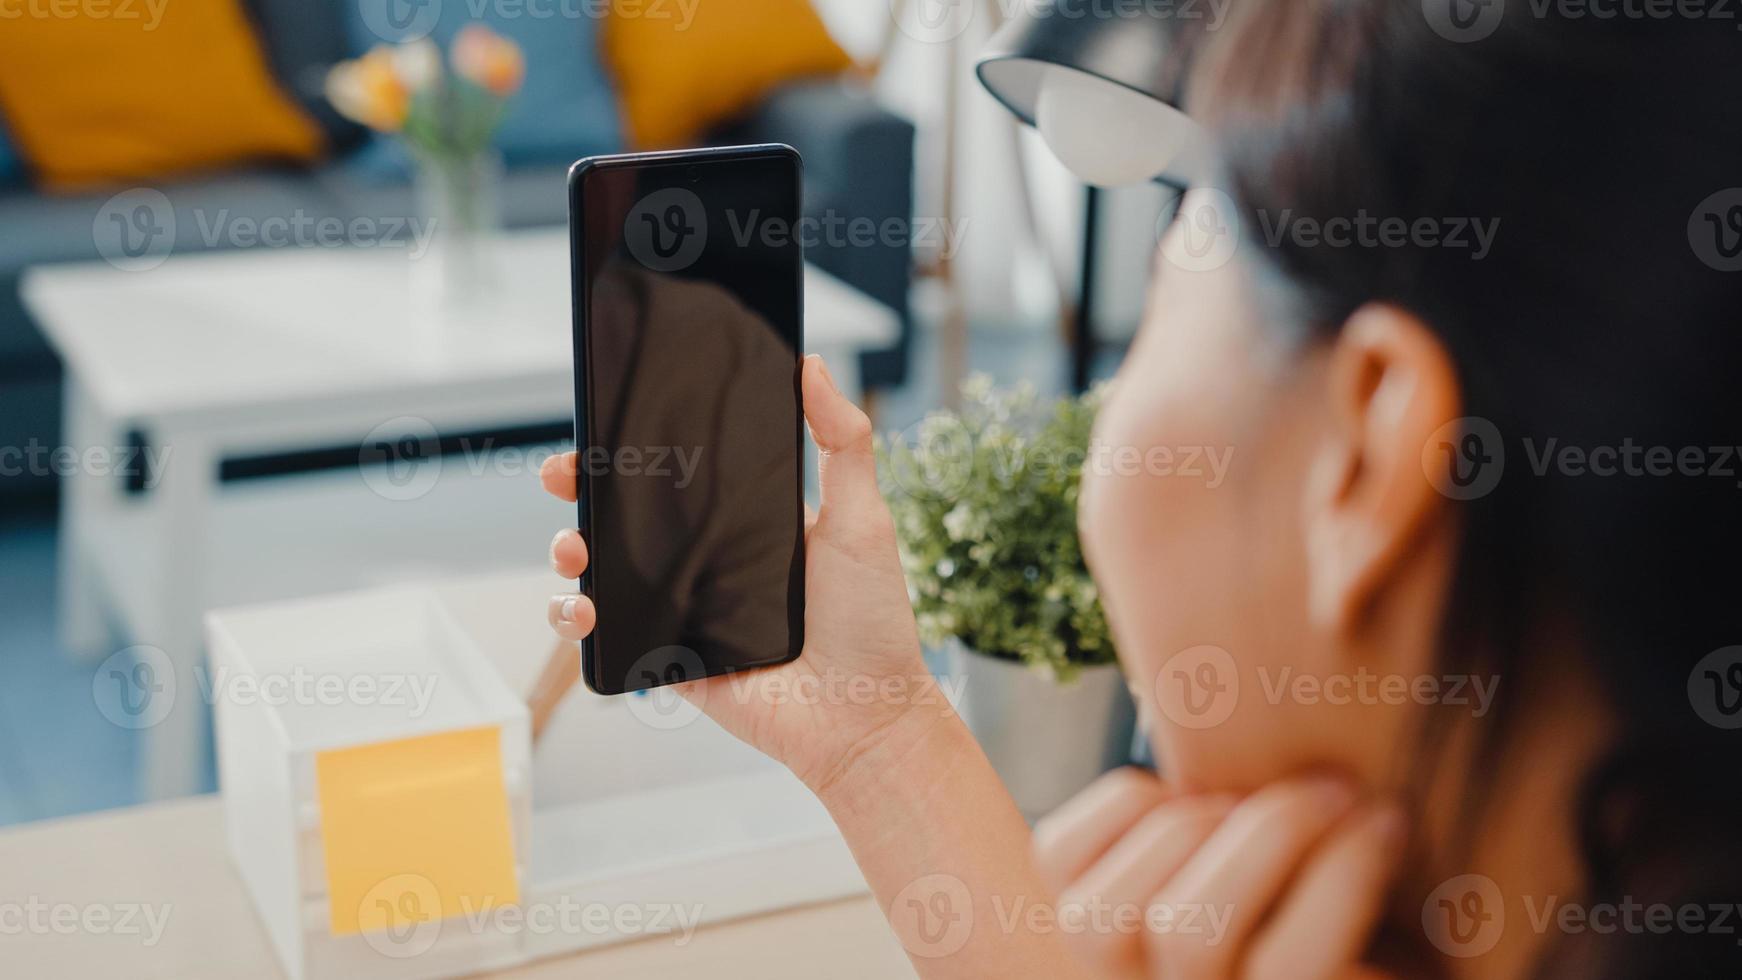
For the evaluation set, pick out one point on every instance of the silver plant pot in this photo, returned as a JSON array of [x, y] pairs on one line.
[[1047, 739]]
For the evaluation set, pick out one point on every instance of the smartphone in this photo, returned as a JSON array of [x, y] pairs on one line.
[[687, 278]]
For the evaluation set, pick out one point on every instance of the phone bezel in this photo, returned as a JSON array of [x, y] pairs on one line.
[[580, 303]]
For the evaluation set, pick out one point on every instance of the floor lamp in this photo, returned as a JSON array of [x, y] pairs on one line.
[[1106, 95], [954, 331]]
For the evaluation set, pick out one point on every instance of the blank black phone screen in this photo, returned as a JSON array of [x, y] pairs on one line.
[[688, 278]]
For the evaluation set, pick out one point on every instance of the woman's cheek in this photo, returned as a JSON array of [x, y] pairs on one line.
[[1092, 510], [1101, 510], [1162, 539], [1116, 519]]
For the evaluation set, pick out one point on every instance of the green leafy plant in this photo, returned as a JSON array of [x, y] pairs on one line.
[[985, 505]]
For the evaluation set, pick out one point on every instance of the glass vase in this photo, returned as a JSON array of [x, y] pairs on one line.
[[460, 196]]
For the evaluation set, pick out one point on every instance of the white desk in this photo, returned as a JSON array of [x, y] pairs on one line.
[[216, 356], [171, 856]]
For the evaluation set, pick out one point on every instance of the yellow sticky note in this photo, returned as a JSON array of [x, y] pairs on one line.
[[416, 830]]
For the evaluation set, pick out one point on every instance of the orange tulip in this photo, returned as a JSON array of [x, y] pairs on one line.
[[488, 59]]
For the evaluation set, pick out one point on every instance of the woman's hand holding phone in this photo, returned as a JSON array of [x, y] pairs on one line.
[[860, 720], [861, 679]]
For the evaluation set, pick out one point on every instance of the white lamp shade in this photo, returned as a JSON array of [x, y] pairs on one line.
[[1111, 136]]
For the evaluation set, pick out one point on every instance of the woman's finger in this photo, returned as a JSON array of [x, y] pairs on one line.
[[568, 553], [558, 475], [571, 615], [1230, 884], [1325, 922], [1107, 904], [843, 436], [1074, 836]]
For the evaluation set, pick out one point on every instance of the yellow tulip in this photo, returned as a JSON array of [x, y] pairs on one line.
[[370, 91], [418, 64]]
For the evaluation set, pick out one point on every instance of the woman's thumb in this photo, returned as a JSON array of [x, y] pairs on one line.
[[843, 437]]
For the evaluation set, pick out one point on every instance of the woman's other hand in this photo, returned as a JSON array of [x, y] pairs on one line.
[[1285, 884]]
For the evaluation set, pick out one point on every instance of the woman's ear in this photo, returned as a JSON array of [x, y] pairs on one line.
[[1392, 385]]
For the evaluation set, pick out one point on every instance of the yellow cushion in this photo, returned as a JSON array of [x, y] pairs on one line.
[[675, 79], [104, 100]]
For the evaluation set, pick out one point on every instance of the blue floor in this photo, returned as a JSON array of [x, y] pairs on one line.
[[59, 756]]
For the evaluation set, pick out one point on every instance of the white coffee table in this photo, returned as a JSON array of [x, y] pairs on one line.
[[215, 357]]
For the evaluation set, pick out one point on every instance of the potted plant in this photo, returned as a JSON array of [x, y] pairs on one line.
[[445, 115], [985, 505]]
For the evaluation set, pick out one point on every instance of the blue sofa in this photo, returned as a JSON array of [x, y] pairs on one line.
[[858, 163]]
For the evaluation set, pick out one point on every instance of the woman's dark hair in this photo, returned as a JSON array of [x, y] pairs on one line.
[[1606, 313]]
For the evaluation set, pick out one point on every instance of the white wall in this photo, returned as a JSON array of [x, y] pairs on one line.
[[1006, 274]]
